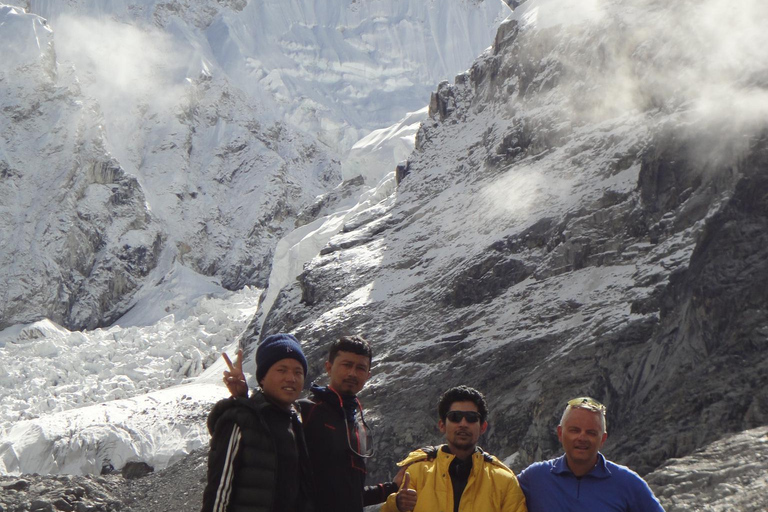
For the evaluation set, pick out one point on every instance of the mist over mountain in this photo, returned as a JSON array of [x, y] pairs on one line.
[[584, 213]]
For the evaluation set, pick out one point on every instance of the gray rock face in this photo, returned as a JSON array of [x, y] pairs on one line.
[[569, 225], [730, 474], [77, 237], [708, 354]]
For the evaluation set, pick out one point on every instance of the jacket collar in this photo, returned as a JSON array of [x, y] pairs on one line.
[[560, 467], [347, 403], [256, 402], [259, 401], [479, 460]]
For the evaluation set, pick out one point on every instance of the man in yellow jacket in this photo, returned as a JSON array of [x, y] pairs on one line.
[[457, 476]]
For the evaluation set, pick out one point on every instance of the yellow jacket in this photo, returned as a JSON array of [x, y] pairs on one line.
[[492, 486]]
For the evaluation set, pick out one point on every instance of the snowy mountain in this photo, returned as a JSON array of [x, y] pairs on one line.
[[135, 181], [193, 132], [164, 138], [338, 69], [584, 213]]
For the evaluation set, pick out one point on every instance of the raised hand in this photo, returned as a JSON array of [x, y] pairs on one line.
[[406, 498], [235, 378]]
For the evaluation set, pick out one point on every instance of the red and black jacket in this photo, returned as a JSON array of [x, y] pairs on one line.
[[338, 472]]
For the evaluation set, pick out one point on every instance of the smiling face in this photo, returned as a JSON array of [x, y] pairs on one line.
[[283, 382], [348, 372], [462, 437], [581, 435]]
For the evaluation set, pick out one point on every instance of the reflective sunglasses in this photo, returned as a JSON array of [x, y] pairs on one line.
[[585, 402], [457, 416], [360, 435]]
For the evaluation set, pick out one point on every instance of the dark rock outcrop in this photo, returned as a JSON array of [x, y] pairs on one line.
[[134, 470]]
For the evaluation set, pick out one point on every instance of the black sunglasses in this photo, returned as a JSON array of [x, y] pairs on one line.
[[457, 416]]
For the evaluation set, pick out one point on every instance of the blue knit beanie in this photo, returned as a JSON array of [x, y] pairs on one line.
[[277, 347]]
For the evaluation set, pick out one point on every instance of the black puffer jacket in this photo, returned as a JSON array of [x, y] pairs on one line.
[[243, 459], [339, 473]]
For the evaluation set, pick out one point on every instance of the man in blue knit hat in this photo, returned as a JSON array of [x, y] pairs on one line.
[[258, 459]]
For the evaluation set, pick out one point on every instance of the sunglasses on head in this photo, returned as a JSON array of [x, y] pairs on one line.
[[585, 402], [457, 416]]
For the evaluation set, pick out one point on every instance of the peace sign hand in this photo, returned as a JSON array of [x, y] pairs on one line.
[[235, 378]]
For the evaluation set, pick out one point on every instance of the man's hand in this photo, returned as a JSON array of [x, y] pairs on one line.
[[406, 498], [235, 378], [399, 477]]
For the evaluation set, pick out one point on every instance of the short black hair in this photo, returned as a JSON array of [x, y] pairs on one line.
[[462, 394], [355, 344]]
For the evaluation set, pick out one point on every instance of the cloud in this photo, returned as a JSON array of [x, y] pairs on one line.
[[701, 62], [123, 64]]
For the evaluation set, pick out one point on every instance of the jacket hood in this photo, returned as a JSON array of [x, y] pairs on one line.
[[414, 456], [347, 403], [429, 452]]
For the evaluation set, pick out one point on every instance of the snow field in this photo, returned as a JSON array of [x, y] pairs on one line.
[[61, 370]]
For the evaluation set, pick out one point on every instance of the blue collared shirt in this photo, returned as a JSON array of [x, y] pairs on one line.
[[550, 486]]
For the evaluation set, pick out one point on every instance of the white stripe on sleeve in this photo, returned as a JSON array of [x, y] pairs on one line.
[[225, 485]]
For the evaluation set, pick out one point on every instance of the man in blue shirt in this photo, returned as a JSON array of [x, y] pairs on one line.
[[582, 480]]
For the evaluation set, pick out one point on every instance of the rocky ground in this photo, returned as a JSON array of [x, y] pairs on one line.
[[728, 475], [178, 488]]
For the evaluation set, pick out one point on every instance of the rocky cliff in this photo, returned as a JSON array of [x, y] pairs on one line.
[[577, 218], [77, 235]]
